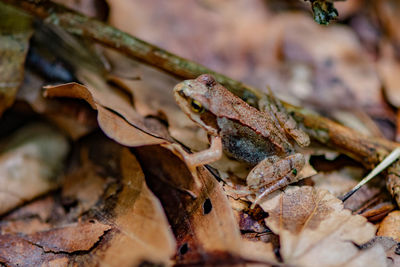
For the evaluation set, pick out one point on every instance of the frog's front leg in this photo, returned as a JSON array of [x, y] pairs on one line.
[[213, 153], [272, 174]]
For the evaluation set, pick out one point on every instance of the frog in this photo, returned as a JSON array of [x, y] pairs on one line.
[[258, 137]]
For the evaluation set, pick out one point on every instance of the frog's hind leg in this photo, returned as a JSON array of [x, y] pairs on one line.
[[272, 174], [284, 181], [273, 106]]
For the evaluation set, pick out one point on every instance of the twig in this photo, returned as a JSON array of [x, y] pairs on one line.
[[367, 150]]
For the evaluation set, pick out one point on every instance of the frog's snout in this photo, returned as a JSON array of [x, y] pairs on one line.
[[179, 89]]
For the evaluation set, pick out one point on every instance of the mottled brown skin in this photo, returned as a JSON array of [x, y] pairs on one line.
[[244, 133]]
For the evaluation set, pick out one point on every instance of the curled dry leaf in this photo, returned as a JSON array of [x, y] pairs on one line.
[[15, 32], [152, 96], [315, 230], [30, 162], [204, 226], [75, 118], [201, 217], [116, 115]]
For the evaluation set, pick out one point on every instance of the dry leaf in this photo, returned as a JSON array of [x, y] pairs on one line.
[[75, 118], [76, 237], [25, 226], [34, 247], [390, 226], [322, 66], [388, 15], [341, 74], [204, 226], [315, 230], [125, 227], [389, 68], [390, 246], [141, 231], [128, 128], [152, 96], [340, 181], [17, 251], [15, 32], [30, 162], [42, 208], [83, 187]]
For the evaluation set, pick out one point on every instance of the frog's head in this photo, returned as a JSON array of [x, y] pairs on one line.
[[193, 97]]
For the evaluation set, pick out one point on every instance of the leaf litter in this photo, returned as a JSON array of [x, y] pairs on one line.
[[124, 196]]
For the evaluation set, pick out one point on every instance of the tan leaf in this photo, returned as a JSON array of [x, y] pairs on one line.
[[143, 233], [71, 238], [201, 217], [75, 118], [152, 95], [338, 182], [390, 226], [389, 68], [42, 208], [125, 227], [18, 251], [30, 162], [388, 11], [26, 226], [97, 92], [119, 130], [390, 246], [315, 230], [83, 186], [15, 32], [127, 128]]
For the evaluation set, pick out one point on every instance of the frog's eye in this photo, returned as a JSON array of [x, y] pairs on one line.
[[196, 106]]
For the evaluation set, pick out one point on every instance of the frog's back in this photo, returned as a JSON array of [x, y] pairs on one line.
[[225, 104], [243, 143]]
